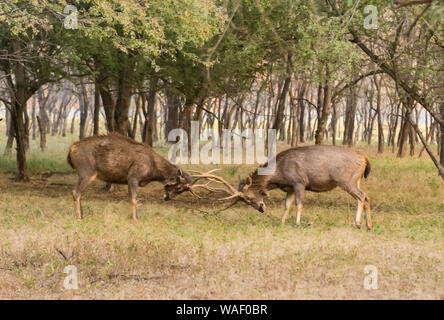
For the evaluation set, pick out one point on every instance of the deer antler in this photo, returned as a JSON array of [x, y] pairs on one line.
[[233, 193], [205, 186]]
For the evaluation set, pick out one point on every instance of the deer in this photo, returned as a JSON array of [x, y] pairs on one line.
[[118, 159], [317, 168]]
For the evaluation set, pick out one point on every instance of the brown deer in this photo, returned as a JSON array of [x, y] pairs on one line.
[[313, 168], [120, 160]]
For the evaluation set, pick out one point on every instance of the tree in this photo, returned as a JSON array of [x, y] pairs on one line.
[[412, 68], [30, 38]]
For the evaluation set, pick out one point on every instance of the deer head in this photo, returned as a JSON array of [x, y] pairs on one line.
[[177, 185], [251, 194]]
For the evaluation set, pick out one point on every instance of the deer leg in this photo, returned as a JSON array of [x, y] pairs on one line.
[[132, 188], [364, 204], [83, 182], [288, 204], [358, 219], [359, 195], [298, 213], [368, 218], [299, 195]]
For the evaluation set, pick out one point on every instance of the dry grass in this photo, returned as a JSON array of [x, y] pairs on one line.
[[190, 249]]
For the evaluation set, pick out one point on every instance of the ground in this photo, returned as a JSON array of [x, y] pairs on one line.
[[190, 249]]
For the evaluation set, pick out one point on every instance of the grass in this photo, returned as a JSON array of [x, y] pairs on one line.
[[191, 249]]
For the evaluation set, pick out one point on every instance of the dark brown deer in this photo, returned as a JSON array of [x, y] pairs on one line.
[[313, 168], [120, 160]]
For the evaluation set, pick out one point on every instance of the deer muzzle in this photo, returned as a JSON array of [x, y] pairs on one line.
[[261, 207]]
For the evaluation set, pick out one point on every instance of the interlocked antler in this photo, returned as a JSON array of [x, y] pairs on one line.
[[233, 193], [205, 186]]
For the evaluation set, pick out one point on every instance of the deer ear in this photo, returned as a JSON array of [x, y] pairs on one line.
[[247, 183], [179, 172]]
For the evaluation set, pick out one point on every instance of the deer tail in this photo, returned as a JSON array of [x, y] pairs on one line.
[[69, 159], [368, 168]]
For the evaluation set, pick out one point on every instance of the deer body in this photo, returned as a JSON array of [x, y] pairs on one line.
[[117, 159], [313, 168]]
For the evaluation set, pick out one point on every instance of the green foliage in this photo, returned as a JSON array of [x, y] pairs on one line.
[[31, 32], [150, 28]]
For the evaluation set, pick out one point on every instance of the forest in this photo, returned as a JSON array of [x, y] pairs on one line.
[[366, 74], [309, 69]]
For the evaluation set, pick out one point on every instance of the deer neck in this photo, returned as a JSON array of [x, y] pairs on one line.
[[261, 182], [166, 171]]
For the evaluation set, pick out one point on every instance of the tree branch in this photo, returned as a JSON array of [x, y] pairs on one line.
[[398, 4], [351, 84], [391, 72], [432, 156]]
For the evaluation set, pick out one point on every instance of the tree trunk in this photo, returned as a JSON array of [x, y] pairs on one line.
[[293, 123], [62, 107], [301, 103], [19, 129], [138, 100], [326, 109], [256, 105], [18, 106], [109, 106], [281, 105], [73, 121], [83, 105], [173, 107], [65, 115], [370, 128], [123, 101], [10, 133], [151, 113], [441, 142], [350, 113], [395, 127], [33, 120], [7, 121], [26, 126], [403, 135], [185, 120], [42, 119], [378, 111], [334, 120], [220, 123], [309, 134], [96, 109], [412, 140]]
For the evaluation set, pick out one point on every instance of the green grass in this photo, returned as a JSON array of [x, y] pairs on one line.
[[52, 159], [188, 248]]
